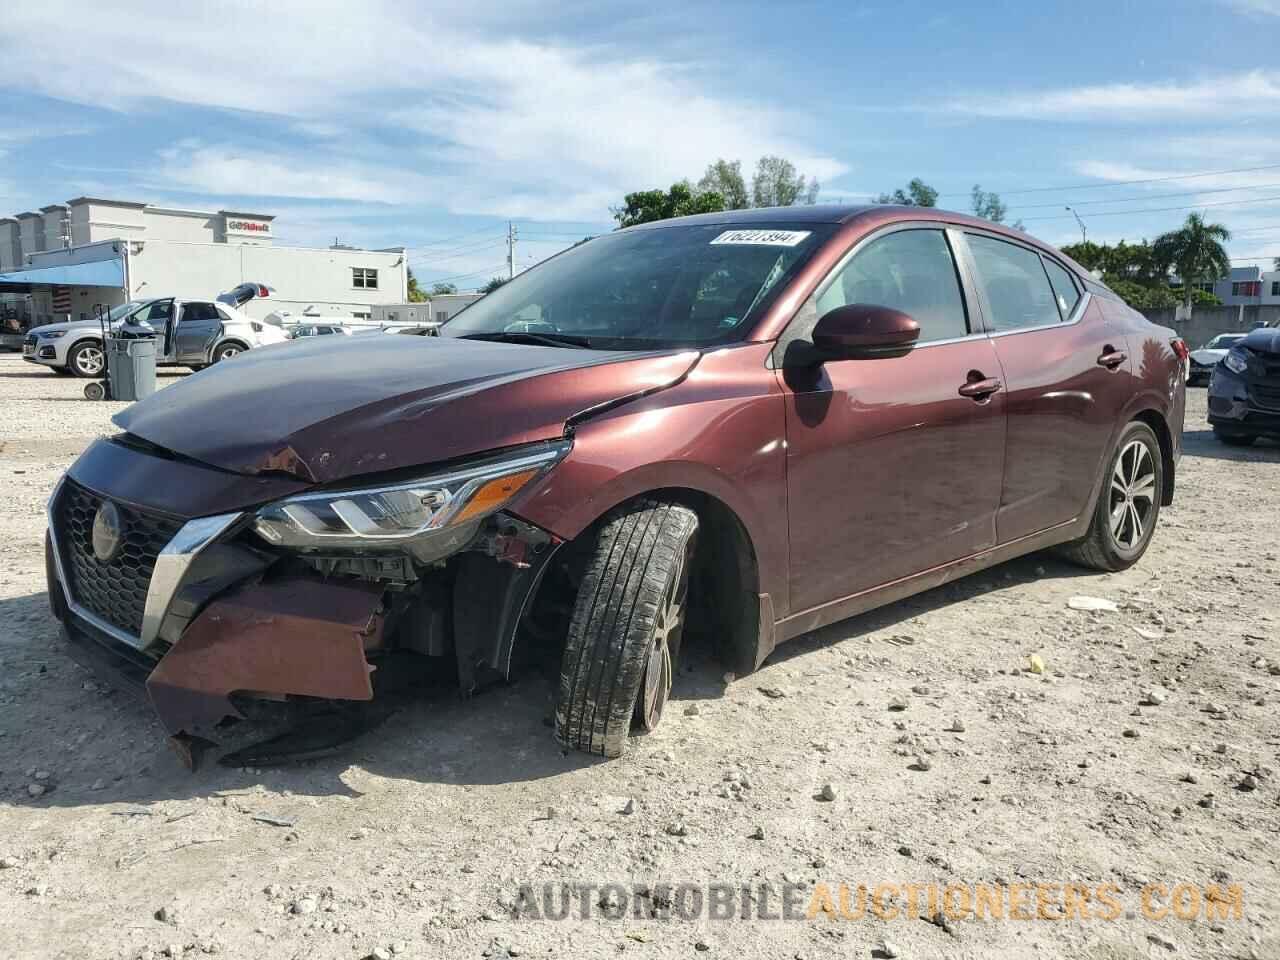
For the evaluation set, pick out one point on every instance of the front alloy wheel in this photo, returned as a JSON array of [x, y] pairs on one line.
[[226, 352], [87, 360]]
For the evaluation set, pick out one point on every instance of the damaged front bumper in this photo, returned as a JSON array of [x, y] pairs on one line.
[[220, 619]]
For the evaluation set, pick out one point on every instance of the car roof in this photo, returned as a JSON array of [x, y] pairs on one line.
[[874, 214]]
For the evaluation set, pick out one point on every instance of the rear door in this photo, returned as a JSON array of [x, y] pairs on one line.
[[199, 324], [1065, 369], [891, 468]]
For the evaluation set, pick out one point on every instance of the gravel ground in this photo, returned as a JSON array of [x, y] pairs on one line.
[[1143, 753]]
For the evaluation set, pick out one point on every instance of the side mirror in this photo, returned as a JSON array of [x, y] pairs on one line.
[[864, 330]]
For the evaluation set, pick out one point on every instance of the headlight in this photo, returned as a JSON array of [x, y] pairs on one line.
[[52, 335], [1236, 361], [429, 518]]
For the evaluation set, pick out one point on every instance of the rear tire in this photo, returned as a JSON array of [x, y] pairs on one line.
[[1128, 507], [228, 350], [624, 637], [1234, 439]]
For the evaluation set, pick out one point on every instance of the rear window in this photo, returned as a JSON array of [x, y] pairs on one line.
[[1014, 280], [1064, 286]]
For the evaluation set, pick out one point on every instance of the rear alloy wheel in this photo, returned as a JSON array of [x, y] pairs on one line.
[[624, 636], [87, 359], [1129, 505], [1234, 439], [227, 351]]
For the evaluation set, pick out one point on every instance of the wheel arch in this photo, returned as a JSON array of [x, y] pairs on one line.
[[1160, 427], [233, 341], [727, 607]]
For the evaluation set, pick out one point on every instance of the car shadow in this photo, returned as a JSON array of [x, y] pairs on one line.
[[502, 735], [1203, 443]]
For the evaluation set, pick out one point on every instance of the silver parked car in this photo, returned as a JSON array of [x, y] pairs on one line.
[[1210, 355], [190, 332]]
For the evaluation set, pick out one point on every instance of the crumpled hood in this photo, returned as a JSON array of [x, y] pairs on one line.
[[324, 411], [1264, 340]]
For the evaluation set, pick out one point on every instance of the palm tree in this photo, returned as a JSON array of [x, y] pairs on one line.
[[1195, 252]]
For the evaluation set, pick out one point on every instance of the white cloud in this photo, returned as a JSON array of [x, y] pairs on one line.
[[1255, 8], [1253, 93], [518, 128]]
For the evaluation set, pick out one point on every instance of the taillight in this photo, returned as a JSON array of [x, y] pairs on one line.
[[1180, 348], [263, 291]]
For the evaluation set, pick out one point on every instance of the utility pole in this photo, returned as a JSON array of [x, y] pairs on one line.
[[511, 250], [1084, 234]]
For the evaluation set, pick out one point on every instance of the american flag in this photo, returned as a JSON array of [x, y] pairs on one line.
[[61, 299]]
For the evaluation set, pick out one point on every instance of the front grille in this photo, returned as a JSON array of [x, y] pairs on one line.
[[114, 591], [1265, 395]]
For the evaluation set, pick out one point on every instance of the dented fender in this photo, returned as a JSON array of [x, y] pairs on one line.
[[301, 636]]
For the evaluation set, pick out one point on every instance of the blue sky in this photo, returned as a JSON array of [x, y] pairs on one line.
[[429, 125]]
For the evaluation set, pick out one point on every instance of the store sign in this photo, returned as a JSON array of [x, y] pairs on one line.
[[248, 226]]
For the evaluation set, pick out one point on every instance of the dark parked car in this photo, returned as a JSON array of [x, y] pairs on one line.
[[737, 426], [1244, 394]]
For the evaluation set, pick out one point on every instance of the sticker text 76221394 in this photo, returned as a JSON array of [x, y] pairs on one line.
[[763, 238]]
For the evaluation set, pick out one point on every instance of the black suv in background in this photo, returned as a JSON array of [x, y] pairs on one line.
[[1244, 394]]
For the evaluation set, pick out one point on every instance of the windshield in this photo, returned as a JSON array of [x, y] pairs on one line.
[[1222, 343], [676, 286], [123, 310]]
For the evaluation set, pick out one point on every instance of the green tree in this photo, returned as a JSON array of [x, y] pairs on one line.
[[1195, 252], [493, 284], [917, 194], [777, 184], [415, 292], [645, 206], [440, 289], [725, 178], [987, 205]]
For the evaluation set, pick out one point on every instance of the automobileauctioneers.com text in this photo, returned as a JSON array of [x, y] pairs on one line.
[[1032, 901]]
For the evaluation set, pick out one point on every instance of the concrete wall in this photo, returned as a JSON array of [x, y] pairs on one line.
[[31, 229], [1205, 323], [181, 225]]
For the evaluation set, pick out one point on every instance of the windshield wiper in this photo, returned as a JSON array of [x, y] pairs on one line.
[[519, 336]]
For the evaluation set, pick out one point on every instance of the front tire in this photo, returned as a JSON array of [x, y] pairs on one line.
[[624, 636], [87, 359], [1234, 439], [1128, 507]]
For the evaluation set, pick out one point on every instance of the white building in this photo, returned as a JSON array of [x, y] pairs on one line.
[[71, 258]]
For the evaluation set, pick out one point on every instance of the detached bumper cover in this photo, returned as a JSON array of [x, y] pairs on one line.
[[300, 636]]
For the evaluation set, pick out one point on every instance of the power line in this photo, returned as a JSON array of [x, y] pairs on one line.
[[460, 252], [429, 244], [1151, 196], [1122, 183], [1125, 213], [462, 276]]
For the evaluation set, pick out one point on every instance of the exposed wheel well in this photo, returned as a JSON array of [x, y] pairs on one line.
[[1156, 422], [231, 342], [724, 586]]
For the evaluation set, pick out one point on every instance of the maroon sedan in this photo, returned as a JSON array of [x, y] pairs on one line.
[[737, 426]]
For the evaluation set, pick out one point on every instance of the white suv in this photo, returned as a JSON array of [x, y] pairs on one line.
[[189, 332]]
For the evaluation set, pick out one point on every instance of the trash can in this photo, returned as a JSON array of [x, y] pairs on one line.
[[131, 367]]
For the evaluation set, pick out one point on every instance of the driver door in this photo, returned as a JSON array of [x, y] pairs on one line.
[[198, 327], [891, 468]]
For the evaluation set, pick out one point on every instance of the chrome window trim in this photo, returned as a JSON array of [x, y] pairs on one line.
[[171, 567], [1076, 316]]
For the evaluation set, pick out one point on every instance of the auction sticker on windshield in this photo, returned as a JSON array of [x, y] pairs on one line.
[[764, 238]]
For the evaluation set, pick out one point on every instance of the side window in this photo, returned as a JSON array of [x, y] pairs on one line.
[[1017, 288], [908, 270], [1065, 290], [198, 311], [155, 313]]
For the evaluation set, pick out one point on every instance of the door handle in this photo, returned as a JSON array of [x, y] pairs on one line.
[[1111, 357], [980, 388]]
